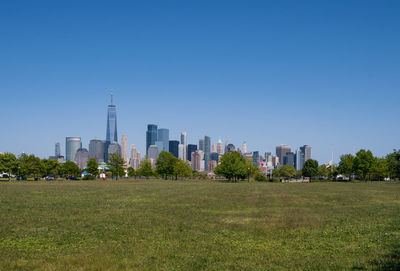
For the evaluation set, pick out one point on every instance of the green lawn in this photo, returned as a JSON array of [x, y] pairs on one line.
[[199, 225]]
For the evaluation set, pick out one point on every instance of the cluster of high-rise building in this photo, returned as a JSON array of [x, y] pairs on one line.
[[203, 156]]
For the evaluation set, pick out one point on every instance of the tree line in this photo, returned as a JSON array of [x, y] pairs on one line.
[[233, 166]]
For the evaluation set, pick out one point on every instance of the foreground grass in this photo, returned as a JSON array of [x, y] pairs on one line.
[[195, 225]]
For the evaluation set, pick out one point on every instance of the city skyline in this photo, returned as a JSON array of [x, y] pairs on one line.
[[267, 74]]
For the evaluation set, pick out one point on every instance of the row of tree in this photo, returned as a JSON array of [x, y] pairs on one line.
[[167, 167], [32, 166], [365, 166]]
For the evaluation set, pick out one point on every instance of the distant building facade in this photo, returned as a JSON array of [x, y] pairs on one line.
[[151, 136], [96, 150], [153, 152], [230, 148], [207, 151], [124, 149], [82, 158], [281, 152], [114, 147], [190, 149], [201, 144], [220, 148], [174, 147], [163, 136], [72, 145]]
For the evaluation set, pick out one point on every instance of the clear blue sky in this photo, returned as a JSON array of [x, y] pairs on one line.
[[323, 73]]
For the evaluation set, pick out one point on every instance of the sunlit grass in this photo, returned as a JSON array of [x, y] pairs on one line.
[[194, 225]]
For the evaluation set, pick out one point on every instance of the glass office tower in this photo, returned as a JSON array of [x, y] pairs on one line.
[[207, 151], [163, 136], [151, 136], [72, 145]]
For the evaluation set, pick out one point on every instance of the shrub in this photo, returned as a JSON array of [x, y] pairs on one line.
[[260, 177], [89, 177]]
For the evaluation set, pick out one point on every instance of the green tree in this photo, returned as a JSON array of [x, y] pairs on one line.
[[287, 171], [30, 165], [145, 168], [323, 171], [364, 162], [182, 169], [116, 165], [92, 167], [8, 164], [166, 164], [131, 172], [380, 171], [310, 168], [69, 168], [233, 166], [393, 163], [51, 167], [346, 165], [252, 170]]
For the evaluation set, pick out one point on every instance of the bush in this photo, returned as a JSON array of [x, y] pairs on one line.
[[89, 177], [260, 177]]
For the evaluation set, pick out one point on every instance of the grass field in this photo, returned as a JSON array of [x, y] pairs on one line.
[[199, 225]]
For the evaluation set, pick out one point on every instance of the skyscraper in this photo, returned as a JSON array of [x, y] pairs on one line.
[[82, 158], [183, 142], [201, 144], [111, 135], [174, 147], [256, 156], [306, 150], [114, 148], [230, 148], [198, 160], [213, 148], [124, 149], [226, 147], [72, 144], [57, 152], [163, 136], [96, 150], [288, 159], [244, 147], [135, 159], [220, 148], [281, 152], [214, 156], [151, 136], [298, 160], [181, 152], [159, 145], [153, 153], [207, 151], [190, 149]]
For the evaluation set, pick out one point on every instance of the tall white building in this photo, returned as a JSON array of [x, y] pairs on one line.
[[184, 143], [244, 147], [153, 152], [198, 160], [213, 148], [181, 152], [124, 147], [135, 157], [220, 148]]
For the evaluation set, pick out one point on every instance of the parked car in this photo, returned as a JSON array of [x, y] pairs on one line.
[[21, 178]]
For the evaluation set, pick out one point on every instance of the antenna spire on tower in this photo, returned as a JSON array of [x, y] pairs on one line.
[[112, 96]]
